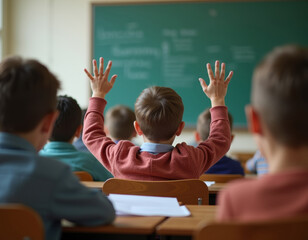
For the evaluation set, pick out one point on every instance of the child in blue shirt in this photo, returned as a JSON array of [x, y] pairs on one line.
[[225, 165]]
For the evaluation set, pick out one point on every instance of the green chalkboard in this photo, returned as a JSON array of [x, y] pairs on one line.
[[168, 44]]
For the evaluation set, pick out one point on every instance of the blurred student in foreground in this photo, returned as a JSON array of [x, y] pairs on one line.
[[225, 165], [278, 119], [28, 100], [66, 128]]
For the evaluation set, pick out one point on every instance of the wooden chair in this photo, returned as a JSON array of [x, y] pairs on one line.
[[83, 176], [20, 222], [189, 191], [220, 178], [283, 229]]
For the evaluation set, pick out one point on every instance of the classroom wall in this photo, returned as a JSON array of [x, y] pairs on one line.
[[57, 32]]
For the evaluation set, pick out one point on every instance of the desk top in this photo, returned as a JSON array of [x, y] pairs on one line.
[[216, 187], [187, 225], [121, 225]]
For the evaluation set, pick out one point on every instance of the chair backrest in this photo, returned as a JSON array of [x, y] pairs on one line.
[[188, 191], [20, 222], [83, 176], [220, 178], [283, 229]]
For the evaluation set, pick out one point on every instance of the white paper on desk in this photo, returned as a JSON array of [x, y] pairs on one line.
[[209, 183], [147, 206]]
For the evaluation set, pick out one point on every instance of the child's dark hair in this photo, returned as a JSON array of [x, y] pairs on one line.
[[68, 121], [120, 122], [28, 92], [159, 112], [204, 122], [279, 94]]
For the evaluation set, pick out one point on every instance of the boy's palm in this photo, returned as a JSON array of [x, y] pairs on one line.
[[99, 81], [217, 88]]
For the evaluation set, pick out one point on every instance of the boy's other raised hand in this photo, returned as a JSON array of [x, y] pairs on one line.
[[99, 81], [217, 88]]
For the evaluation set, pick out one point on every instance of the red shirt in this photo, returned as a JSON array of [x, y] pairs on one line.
[[271, 196], [124, 160]]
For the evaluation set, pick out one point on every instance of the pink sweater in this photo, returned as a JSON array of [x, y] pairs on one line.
[[272, 196], [124, 160]]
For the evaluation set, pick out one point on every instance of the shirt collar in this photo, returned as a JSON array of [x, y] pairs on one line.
[[12, 141], [155, 148], [59, 145]]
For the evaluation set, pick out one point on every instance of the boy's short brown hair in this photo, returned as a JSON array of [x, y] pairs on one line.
[[280, 94], [28, 91], [120, 122], [204, 122], [159, 112]]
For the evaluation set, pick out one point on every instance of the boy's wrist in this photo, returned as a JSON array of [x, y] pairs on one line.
[[217, 102], [99, 95]]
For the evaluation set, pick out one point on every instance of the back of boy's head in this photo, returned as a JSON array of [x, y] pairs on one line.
[[279, 94], [120, 122], [28, 92], [68, 121], [204, 122], [159, 112]]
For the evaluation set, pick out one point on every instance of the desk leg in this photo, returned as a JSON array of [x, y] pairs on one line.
[[212, 198]]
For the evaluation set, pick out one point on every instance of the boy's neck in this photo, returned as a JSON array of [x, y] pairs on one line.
[[286, 158], [169, 141]]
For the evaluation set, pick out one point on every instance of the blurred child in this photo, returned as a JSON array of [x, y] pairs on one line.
[[278, 119], [78, 143], [257, 164], [120, 123], [66, 128], [159, 112], [225, 165], [28, 99]]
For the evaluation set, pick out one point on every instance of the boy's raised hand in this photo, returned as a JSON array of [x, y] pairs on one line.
[[99, 81], [217, 88]]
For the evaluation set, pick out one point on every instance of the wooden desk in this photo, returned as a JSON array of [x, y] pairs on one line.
[[213, 189], [133, 227], [186, 226], [124, 227], [216, 187]]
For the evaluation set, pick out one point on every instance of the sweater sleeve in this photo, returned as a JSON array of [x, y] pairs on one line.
[[218, 143], [94, 137], [78, 204]]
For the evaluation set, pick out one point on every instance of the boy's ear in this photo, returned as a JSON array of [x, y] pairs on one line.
[[197, 137], [180, 129], [253, 118], [78, 131], [49, 121], [232, 137], [137, 128]]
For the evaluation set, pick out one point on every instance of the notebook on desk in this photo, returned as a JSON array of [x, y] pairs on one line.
[[147, 206]]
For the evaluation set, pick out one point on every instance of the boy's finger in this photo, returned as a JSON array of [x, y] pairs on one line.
[[101, 66], [112, 80], [209, 71], [223, 70], [95, 68], [88, 74], [229, 78], [203, 84], [108, 69], [217, 69]]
